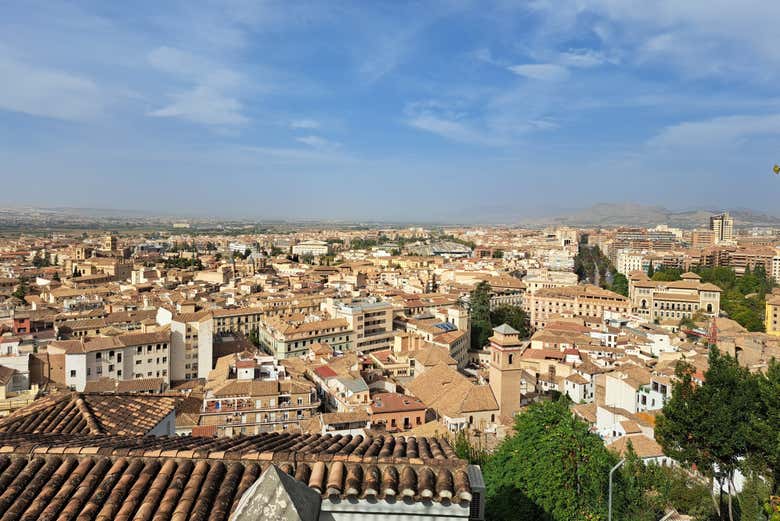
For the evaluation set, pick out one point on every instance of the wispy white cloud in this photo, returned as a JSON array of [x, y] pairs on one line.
[[695, 37], [318, 142], [211, 98], [717, 133], [452, 129], [583, 58], [48, 92], [304, 124], [204, 105], [541, 71]]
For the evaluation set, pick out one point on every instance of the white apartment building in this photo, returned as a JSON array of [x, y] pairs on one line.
[[628, 261], [192, 343], [132, 356]]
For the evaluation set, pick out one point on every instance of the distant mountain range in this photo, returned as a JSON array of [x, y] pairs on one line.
[[629, 214]]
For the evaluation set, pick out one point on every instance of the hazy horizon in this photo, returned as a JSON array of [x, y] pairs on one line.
[[461, 111]]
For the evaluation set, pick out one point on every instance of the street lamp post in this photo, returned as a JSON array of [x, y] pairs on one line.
[[611, 473]]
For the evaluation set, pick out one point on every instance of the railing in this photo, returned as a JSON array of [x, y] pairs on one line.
[[251, 408]]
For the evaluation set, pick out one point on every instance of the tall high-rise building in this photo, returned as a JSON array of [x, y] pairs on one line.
[[723, 227]]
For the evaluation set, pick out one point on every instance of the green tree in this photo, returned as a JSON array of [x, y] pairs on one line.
[[753, 498], [254, 337], [650, 270], [619, 284], [466, 449], [638, 490], [512, 315], [709, 426], [479, 303], [22, 289], [551, 469], [667, 275], [765, 441]]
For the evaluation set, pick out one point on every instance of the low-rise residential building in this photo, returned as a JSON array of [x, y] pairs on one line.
[[131, 356], [395, 412], [624, 388], [579, 388], [250, 394], [286, 338]]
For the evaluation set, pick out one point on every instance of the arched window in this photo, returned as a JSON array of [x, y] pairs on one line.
[[511, 357], [709, 308]]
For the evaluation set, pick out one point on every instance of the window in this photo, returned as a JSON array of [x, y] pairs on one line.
[[139, 350], [72, 373], [110, 368], [89, 371], [111, 354], [119, 357], [98, 356], [119, 373], [138, 361]]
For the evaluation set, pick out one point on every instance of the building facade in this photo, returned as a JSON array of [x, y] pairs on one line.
[[675, 300]]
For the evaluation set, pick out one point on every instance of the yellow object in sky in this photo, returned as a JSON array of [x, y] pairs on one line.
[[777, 169]]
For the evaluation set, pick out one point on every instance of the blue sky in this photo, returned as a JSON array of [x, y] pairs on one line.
[[452, 110]]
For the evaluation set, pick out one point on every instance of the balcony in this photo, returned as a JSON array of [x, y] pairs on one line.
[[249, 407]]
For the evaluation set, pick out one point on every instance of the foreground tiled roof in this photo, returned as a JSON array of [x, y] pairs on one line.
[[50, 476], [83, 413]]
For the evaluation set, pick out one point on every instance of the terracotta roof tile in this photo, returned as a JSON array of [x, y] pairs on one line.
[[81, 413], [128, 477]]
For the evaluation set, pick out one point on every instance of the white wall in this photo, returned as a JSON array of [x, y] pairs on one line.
[[78, 363], [205, 347]]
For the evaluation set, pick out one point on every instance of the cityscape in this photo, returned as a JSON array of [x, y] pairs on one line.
[[341, 261]]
